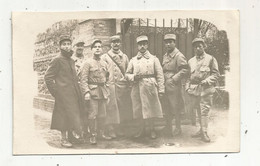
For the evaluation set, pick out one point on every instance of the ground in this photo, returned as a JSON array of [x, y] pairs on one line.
[[217, 129]]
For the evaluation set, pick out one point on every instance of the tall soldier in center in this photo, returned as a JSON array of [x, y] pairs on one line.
[[93, 79], [175, 68], [146, 72], [119, 106]]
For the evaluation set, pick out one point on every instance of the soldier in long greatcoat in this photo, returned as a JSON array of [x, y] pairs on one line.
[[145, 71], [62, 82], [119, 107]]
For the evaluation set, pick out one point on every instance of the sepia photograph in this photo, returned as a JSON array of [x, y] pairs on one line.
[[126, 82]]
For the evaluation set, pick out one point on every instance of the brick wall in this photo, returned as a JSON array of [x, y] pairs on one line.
[[43, 103]]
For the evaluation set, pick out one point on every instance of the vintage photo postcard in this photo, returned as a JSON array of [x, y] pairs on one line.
[[126, 82]]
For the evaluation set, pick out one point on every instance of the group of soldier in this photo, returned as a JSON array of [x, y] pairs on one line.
[[95, 95]]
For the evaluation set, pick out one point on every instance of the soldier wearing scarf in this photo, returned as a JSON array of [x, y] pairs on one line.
[[62, 82], [145, 71]]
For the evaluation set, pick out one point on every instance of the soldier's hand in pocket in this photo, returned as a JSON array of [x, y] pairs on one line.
[[87, 96], [203, 82]]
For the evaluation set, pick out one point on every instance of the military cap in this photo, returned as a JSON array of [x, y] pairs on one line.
[[141, 38], [114, 38], [170, 37], [198, 40], [95, 41], [79, 43], [64, 37]]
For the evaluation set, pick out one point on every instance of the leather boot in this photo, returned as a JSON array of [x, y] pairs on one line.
[[64, 140], [103, 132], [204, 125], [93, 131], [93, 139], [152, 129], [177, 131], [167, 130], [141, 130], [111, 132], [205, 137], [153, 134], [197, 134], [104, 135], [65, 143]]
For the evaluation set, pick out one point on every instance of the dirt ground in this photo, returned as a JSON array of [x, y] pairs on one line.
[[217, 128]]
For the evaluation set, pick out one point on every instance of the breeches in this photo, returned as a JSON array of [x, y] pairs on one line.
[[97, 109]]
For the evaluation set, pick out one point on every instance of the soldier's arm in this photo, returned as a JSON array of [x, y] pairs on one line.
[[107, 73], [84, 77], [50, 76], [159, 75], [127, 61], [182, 68], [212, 79], [187, 84], [129, 75]]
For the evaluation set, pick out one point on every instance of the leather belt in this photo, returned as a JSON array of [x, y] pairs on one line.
[[97, 83], [145, 76]]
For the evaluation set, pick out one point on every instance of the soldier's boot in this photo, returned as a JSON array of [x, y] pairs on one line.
[[205, 137], [167, 130], [102, 131], [76, 138], [104, 135], [120, 130], [204, 124], [93, 131], [64, 140], [86, 131], [152, 129], [197, 134], [177, 131], [141, 129], [111, 131]]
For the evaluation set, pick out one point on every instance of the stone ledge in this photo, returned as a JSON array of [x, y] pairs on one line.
[[43, 104]]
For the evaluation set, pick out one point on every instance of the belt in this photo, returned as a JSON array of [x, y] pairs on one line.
[[168, 71], [195, 82], [97, 83], [145, 76]]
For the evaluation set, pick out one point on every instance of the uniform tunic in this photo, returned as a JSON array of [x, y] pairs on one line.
[[119, 106], [204, 67], [93, 80], [175, 68], [145, 91], [78, 62], [62, 82]]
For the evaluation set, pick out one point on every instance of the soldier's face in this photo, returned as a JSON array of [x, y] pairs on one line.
[[97, 49], [66, 45], [79, 50], [142, 46], [170, 45], [198, 48], [115, 45]]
